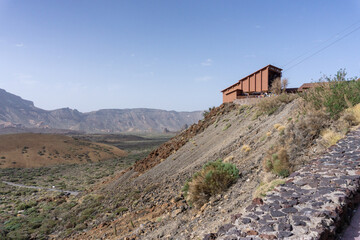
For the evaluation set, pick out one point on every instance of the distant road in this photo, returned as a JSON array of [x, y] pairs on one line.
[[42, 188]]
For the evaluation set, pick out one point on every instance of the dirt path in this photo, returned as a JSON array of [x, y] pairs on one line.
[[42, 188]]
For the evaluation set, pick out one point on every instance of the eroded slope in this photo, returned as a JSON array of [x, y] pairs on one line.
[[155, 207]]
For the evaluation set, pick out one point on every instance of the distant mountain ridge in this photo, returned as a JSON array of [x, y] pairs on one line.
[[18, 113]]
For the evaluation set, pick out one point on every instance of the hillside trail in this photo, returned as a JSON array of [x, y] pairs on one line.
[[74, 193]]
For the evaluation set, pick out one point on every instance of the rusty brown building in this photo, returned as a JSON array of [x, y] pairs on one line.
[[254, 84]]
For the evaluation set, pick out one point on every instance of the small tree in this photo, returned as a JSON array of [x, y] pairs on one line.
[[279, 86]]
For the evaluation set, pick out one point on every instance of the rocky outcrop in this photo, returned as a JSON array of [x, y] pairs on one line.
[[16, 112], [314, 203]]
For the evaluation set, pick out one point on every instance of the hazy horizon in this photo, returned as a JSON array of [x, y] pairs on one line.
[[171, 55]]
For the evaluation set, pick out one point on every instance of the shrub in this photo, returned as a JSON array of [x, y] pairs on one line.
[[279, 85], [335, 94], [303, 132], [277, 162], [214, 178], [206, 112]]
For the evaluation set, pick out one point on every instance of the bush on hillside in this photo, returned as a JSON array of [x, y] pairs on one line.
[[334, 94], [214, 178], [269, 105], [277, 162], [349, 118]]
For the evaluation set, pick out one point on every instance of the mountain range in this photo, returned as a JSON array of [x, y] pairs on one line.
[[20, 115]]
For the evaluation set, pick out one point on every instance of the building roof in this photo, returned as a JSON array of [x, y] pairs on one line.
[[309, 85], [268, 66], [236, 90]]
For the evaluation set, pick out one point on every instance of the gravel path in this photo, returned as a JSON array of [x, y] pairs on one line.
[[42, 188], [315, 202]]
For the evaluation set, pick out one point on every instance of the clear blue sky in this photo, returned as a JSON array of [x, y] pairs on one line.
[[173, 55]]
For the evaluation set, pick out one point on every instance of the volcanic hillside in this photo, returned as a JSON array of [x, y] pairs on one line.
[[148, 201], [151, 190], [37, 150]]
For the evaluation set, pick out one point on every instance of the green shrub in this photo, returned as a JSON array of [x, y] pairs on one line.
[[335, 94], [277, 162], [214, 178]]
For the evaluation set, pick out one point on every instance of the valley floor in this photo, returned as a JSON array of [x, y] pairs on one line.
[[36, 202]]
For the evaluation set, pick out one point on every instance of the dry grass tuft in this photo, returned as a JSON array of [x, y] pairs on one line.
[[269, 105], [356, 111], [281, 129], [330, 137], [355, 114], [228, 159], [245, 148]]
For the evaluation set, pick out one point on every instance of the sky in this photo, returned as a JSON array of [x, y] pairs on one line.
[[172, 55]]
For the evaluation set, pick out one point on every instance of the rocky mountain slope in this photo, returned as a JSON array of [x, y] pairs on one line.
[[18, 113], [156, 207]]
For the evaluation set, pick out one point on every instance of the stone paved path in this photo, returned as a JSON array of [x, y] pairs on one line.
[[314, 203]]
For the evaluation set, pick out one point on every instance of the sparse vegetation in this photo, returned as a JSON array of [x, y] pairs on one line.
[[263, 188], [330, 137], [270, 105], [30, 213], [206, 112], [227, 126], [277, 162], [214, 178], [279, 86], [326, 113], [280, 128], [245, 148], [335, 94]]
